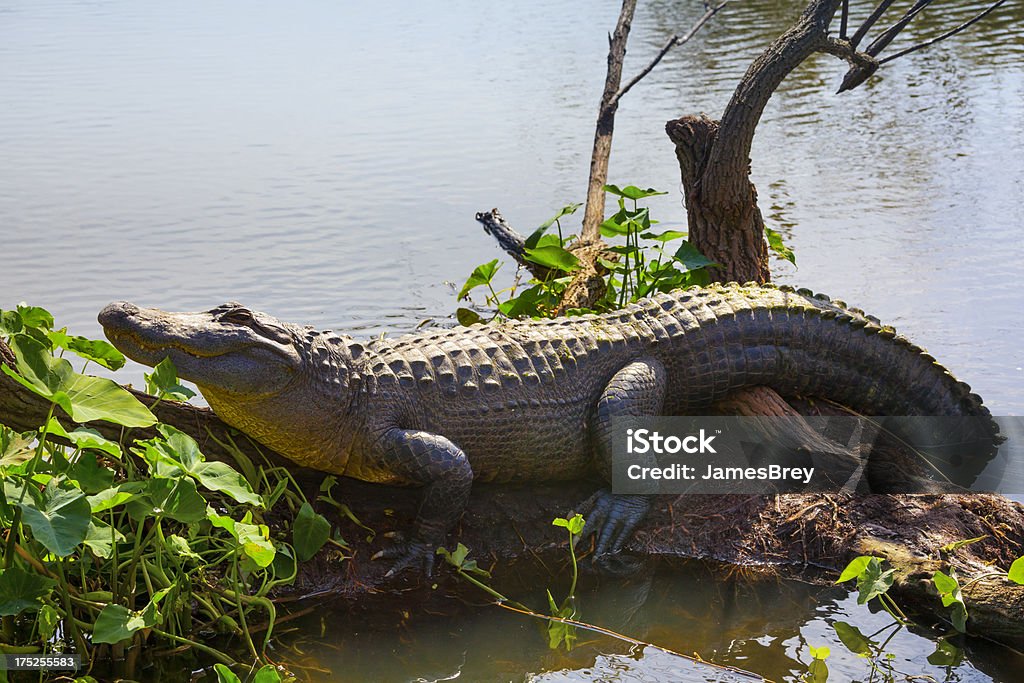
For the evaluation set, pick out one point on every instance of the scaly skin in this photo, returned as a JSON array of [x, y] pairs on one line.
[[527, 400]]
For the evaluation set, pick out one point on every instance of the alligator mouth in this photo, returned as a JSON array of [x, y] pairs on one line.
[[120, 337]]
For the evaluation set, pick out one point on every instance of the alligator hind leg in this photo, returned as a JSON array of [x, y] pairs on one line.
[[637, 390], [444, 471]]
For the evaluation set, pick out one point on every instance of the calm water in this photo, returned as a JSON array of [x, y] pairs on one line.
[[323, 161]]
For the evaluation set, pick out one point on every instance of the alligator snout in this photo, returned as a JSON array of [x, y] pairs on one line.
[[115, 314]]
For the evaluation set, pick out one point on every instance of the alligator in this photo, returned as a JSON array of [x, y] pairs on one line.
[[527, 400]]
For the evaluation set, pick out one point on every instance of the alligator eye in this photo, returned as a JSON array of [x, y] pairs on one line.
[[242, 316]]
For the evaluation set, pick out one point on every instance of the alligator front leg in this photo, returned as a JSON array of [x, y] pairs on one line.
[[444, 471], [637, 390]]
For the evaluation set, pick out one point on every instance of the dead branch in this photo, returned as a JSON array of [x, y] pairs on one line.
[[947, 34]]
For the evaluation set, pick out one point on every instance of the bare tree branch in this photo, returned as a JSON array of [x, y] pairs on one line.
[[676, 39], [869, 22], [593, 214], [880, 43], [844, 20], [947, 34]]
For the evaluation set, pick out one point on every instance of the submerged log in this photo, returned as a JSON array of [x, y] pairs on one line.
[[504, 522]]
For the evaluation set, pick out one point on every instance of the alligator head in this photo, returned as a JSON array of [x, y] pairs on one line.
[[271, 379]]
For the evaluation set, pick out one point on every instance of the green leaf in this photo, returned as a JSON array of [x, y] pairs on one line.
[[873, 582], [667, 236], [92, 477], [175, 499], [632, 191], [47, 619], [553, 257], [523, 305], [179, 546], [163, 382], [855, 641], [574, 525], [101, 538], [818, 670], [776, 245], [267, 674], [21, 590], [566, 210], [225, 675], [255, 542], [10, 323], [15, 448], [946, 654], [34, 316], [309, 532], [83, 397], [179, 449], [116, 622], [1016, 573], [946, 585], [822, 652], [84, 438], [482, 275], [118, 495], [95, 350], [956, 545], [855, 568], [60, 520], [467, 317], [690, 258]]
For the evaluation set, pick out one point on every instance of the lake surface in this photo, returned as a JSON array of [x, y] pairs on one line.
[[323, 162]]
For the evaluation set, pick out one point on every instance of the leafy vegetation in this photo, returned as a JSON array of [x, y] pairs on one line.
[[109, 546], [641, 264]]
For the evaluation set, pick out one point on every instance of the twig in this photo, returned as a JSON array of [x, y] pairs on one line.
[[869, 22], [947, 34], [676, 39], [880, 43]]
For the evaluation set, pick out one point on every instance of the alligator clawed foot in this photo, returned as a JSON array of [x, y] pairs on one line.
[[408, 554], [614, 518]]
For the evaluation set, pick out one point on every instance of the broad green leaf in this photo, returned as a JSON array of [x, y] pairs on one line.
[[873, 581], [309, 532], [10, 323], [818, 671], [946, 654], [225, 675], [95, 350], [525, 304], [179, 546], [1016, 573], [667, 236], [690, 258], [118, 495], [163, 382], [946, 585], [180, 450], [221, 521], [566, 210], [60, 520], [553, 257], [267, 674], [255, 542], [47, 619], [632, 191], [34, 316], [84, 438], [855, 641], [855, 568], [116, 622], [467, 317], [21, 590], [615, 226], [101, 538], [172, 498], [83, 397], [482, 275], [956, 545], [92, 477], [15, 448], [822, 652], [776, 245]]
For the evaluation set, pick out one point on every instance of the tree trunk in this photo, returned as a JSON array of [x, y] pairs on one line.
[[714, 156]]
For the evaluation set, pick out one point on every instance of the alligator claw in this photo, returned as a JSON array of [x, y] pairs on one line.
[[614, 518], [408, 554]]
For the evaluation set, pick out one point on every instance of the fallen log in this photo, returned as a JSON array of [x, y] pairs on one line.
[[506, 522]]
